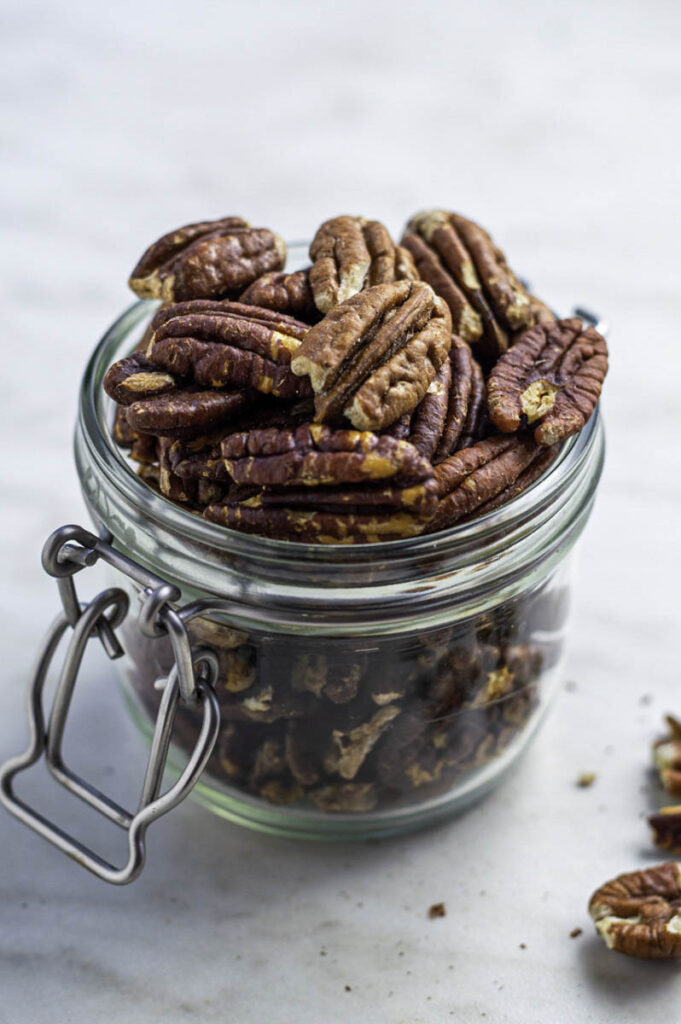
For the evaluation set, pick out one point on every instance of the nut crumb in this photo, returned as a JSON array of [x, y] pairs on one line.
[[575, 932], [437, 910], [348, 989], [586, 779], [523, 946]]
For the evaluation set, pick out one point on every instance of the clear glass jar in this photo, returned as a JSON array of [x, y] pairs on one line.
[[364, 690]]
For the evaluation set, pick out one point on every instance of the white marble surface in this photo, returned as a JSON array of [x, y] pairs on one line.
[[556, 125]]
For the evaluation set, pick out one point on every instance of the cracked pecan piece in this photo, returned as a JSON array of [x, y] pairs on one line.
[[228, 344], [667, 756], [474, 476], [373, 358], [210, 259], [639, 913], [666, 826], [350, 254], [552, 377], [459, 259], [284, 293]]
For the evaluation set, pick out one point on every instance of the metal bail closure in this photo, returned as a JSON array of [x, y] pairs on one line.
[[67, 551]]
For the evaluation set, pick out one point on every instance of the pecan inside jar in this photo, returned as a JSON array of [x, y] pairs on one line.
[[552, 377], [350, 254], [373, 358], [209, 259]]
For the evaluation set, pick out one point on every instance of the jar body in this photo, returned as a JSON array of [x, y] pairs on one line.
[[364, 690], [364, 736]]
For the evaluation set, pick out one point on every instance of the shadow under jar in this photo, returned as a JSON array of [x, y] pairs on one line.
[[364, 690]]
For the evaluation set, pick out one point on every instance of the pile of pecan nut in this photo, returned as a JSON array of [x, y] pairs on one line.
[[383, 392]]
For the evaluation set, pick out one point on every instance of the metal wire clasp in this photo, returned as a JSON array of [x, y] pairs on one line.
[[67, 551]]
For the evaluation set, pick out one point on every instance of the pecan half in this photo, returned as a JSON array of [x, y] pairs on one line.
[[314, 455], [210, 259], [640, 913], [325, 485], [552, 377], [219, 344], [476, 425], [461, 262], [350, 254], [135, 377], [537, 467], [475, 475], [667, 757], [428, 421], [188, 411], [666, 826], [374, 357], [315, 527], [284, 293]]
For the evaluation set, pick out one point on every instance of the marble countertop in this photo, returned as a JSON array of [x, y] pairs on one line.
[[557, 126]]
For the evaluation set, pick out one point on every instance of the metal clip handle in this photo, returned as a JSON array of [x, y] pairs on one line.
[[67, 551]]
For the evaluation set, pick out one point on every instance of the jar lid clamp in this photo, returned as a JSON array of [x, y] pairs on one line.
[[67, 551]]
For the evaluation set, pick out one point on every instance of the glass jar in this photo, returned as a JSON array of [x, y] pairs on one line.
[[363, 690]]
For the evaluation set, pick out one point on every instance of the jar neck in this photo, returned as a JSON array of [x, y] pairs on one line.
[[398, 584]]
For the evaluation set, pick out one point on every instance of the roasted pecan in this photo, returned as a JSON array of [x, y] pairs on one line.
[[667, 757], [640, 913], [537, 467], [345, 797], [476, 475], [350, 254], [284, 293], [218, 344], [351, 748], [134, 377], [476, 426], [189, 411], [428, 420], [666, 826], [314, 527], [314, 455], [329, 485], [552, 377], [464, 388], [374, 357], [460, 261], [208, 260]]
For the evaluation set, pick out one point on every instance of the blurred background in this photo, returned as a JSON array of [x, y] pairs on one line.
[[556, 125]]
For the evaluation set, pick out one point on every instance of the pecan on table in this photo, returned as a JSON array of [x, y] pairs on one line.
[[666, 826], [667, 757], [373, 358], [284, 293], [474, 476], [228, 344], [459, 259], [331, 486], [640, 913], [552, 377], [211, 259], [350, 254]]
